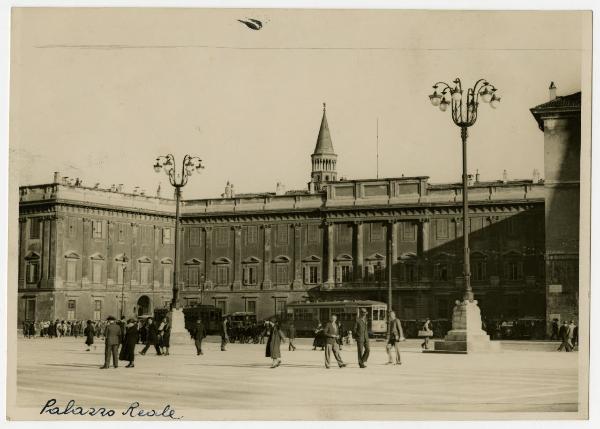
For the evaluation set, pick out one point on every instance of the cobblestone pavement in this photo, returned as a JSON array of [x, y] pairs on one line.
[[239, 383]]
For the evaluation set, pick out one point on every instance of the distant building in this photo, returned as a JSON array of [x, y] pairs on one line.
[[560, 120], [83, 250]]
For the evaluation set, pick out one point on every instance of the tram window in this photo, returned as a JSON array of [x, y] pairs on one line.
[[375, 314], [381, 314]]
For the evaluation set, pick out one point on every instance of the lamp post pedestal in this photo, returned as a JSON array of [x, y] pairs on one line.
[[466, 335], [179, 335]]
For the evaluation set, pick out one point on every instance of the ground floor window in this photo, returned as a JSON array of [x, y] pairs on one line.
[[71, 307], [97, 309], [251, 306]]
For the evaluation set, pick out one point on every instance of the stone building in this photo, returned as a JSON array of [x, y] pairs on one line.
[[560, 121], [84, 251]]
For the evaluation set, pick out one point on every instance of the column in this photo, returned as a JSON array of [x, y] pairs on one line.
[[267, 257], [393, 225], [110, 275], [54, 261], [423, 236], [237, 257], [45, 251], [330, 254], [297, 256], [22, 247], [358, 254], [208, 257], [85, 237], [133, 266]]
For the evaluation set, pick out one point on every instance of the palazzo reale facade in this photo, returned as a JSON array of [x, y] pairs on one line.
[[86, 253]]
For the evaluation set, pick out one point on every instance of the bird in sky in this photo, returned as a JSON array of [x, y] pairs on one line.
[[253, 24]]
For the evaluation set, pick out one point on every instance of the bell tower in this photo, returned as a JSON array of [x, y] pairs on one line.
[[324, 159]]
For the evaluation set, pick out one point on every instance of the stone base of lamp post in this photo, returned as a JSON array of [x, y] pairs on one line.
[[466, 335], [179, 335]]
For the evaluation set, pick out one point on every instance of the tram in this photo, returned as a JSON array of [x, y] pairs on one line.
[[307, 315], [211, 317]]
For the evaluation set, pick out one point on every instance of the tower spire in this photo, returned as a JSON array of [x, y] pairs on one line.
[[324, 158]]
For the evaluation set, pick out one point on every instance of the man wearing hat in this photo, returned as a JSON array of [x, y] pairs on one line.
[[361, 335], [112, 339]]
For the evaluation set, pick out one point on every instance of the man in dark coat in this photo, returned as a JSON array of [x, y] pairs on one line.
[[554, 335], [112, 339], [332, 334], [361, 335], [151, 337], [129, 341], [199, 334], [563, 334]]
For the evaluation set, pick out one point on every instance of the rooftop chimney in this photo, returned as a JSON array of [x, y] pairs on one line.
[[477, 176], [56, 177], [504, 176], [552, 91]]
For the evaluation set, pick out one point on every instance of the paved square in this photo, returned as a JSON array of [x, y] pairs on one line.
[[239, 383]]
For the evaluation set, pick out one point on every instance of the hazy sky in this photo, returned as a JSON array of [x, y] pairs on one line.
[[98, 94]]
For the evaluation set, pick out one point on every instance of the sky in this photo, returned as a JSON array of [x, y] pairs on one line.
[[100, 93]]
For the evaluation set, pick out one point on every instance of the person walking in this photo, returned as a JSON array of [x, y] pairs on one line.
[[576, 336], [564, 336], [224, 333], [112, 339], [426, 332], [331, 333], [394, 335], [89, 335], [164, 335], [570, 335], [361, 335], [151, 337], [554, 335], [291, 336], [129, 342], [319, 340], [273, 349], [199, 334]]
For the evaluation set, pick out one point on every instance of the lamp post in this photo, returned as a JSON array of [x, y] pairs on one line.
[[464, 114], [466, 334], [178, 180], [124, 267]]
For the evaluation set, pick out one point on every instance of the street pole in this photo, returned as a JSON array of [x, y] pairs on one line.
[[468, 294], [175, 301], [123, 291], [390, 262]]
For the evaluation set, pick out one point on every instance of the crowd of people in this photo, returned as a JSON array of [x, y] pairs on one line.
[[329, 337]]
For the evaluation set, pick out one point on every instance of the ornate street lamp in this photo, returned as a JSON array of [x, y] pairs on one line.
[[464, 114], [178, 180], [464, 108]]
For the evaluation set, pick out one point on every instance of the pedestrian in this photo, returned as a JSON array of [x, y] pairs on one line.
[[143, 330], [554, 335], [331, 333], [89, 335], [576, 336], [395, 334], [112, 339], [361, 334], [224, 333], [291, 336], [273, 349], [426, 332], [129, 341], [151, 337], [319, 340], [199, 334], [123, 326], [164, 332], [571, 334], [341, 334], [563, 333]]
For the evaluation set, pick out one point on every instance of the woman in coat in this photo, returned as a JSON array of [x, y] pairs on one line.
[[164, 333], [89, 335], [274, 342], [320, 339], [128, 346]]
